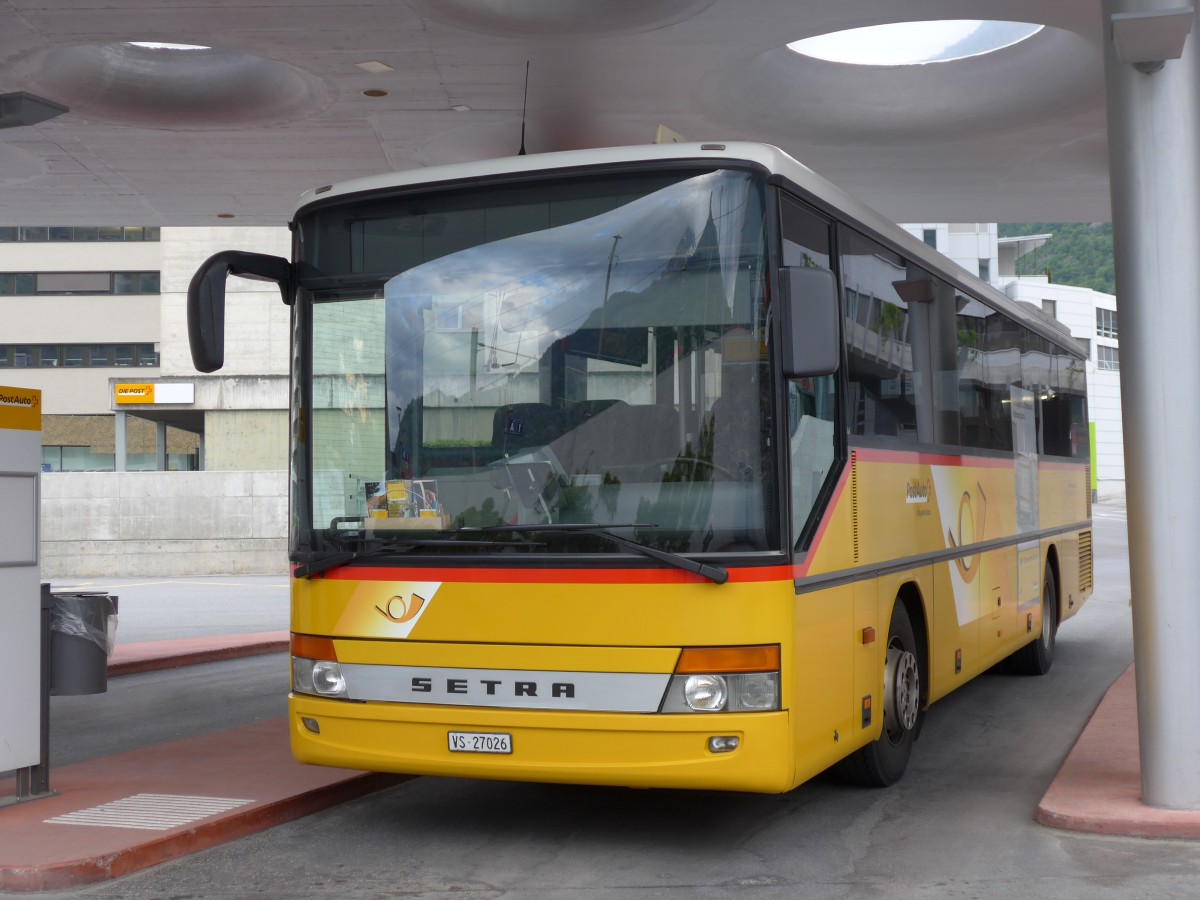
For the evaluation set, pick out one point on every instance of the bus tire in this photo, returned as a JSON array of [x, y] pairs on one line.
[[1037, 657], [883, 761]]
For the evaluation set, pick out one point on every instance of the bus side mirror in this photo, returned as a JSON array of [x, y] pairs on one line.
[[809, 321], [206, 299]]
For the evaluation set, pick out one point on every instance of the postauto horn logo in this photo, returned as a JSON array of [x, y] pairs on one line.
[[918, 491]]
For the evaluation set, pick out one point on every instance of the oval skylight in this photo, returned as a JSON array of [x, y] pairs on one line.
[[160, 45], [915, 43]]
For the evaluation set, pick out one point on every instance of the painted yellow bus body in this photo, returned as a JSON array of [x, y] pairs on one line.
[[937, 532]]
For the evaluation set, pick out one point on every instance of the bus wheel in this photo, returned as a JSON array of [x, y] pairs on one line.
[[883, 761], [1037, 658]]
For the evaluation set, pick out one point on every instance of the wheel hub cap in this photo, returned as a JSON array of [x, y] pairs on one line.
[[901, 692]]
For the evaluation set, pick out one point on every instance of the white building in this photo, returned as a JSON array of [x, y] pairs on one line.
[[1091, 317], [96, 319]]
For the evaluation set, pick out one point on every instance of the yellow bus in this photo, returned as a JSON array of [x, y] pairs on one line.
[[665, 466]]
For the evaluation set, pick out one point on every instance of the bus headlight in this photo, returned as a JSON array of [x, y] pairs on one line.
[[724, 679], [322, 677], [705, 692], [739, 692]]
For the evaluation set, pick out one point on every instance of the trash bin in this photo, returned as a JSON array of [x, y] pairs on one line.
[[82, 629]]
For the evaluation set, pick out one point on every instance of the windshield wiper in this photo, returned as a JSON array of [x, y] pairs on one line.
[[320, 563], [713, 573]]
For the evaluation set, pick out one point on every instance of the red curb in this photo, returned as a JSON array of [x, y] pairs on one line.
[[1098, 790], [152, 656]]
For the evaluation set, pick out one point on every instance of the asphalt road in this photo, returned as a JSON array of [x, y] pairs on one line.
[[959, 825]]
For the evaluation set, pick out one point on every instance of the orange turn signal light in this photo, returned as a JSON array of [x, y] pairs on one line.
[[308, 646], [725, 660]]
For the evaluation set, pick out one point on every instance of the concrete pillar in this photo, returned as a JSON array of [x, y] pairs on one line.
[[160, 446], [1154, 160], [120, 462]]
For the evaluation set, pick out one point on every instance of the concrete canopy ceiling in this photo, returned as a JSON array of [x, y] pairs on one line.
[[277, 104]]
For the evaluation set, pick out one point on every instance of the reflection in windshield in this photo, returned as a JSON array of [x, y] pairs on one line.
[[609, 369]]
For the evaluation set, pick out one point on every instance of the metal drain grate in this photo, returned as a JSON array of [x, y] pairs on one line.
[[152, 812]]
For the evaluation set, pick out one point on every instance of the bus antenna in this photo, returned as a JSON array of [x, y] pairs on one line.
[[524, 106]]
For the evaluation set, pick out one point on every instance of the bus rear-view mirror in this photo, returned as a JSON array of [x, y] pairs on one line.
[[206, 299], [809, 318]]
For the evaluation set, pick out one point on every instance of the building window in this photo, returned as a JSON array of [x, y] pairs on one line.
[[1050, 308], [1107, 358], [1106, 323], [1087, 346], [985, 270], [17, 283], [78, 233], [929, 236], [135, 283], [77, 356], [74, 283], [29, 284]]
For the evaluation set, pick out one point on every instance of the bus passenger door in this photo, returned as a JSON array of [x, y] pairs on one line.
[[1028, 602]]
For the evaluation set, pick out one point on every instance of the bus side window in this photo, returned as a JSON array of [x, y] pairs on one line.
[[812, 407], [876, 328], [811, 415]]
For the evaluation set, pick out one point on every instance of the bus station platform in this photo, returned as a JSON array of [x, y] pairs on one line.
[[118, 814], [115, 815]]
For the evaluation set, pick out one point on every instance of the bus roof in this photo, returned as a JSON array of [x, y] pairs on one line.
[[827, 195]]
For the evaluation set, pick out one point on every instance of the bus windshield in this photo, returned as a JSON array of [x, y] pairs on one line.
[[571, 352]]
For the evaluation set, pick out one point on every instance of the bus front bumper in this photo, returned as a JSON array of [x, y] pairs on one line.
[[623, 749]]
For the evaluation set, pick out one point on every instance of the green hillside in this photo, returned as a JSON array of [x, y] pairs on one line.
[[1079, 254]]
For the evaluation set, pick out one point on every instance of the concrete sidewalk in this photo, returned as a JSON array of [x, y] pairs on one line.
[[119, 814], [1099, 787]]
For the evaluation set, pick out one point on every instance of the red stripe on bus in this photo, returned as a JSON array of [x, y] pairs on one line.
[[552, 576], [929, 459]]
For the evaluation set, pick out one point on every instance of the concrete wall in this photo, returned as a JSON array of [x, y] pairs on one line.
[[246, 440], [257, 330], [130, 524]]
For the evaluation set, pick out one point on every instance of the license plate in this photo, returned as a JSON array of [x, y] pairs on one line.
[[479, 742]]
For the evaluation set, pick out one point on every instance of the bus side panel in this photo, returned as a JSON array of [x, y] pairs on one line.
[[1074, 553], [824, 685], [954, 645], [1064, 492]]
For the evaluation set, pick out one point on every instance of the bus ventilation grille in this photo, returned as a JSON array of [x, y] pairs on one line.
[[1085, 562], [1088, 490], [854, 501]]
